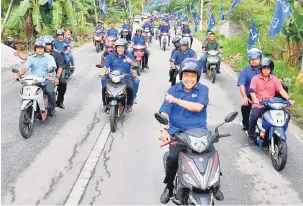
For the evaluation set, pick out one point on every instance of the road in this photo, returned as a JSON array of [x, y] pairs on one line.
[[72, 158]]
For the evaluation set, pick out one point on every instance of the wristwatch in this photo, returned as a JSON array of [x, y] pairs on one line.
[[289, 99], [162, 129]]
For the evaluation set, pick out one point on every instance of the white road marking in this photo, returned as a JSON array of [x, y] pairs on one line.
[[90, 164]]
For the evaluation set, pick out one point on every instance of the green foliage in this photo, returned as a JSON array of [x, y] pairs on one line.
[[57, 15]]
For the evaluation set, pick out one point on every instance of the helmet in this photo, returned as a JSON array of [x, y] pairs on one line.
[[185, 23], [190, 65], [121, 42], [48, 40], [138, 29], [267, 62], [176, 39], [39, 43], [183, 41], [60, 32], [254, 53]]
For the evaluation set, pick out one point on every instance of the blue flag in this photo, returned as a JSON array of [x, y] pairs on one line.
[[100, 4], [282, 11], [232, 6], [253, 35], [197, 19], [104, 7], [221, 11], [131, 8], [210, 10], [50, 2], [211, 23]]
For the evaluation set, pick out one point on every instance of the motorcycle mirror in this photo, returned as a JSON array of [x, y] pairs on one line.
[[98, 65], [252, 90], [221, 47], [161, 119], [135, 67], [14, 70], [231, 117]]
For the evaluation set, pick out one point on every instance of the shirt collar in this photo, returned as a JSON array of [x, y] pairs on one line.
[[179, 87], [43, 55], [252, 68], [270, 77]]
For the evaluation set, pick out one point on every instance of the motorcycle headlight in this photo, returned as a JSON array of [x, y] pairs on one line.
[[277, 105], [212, 59], [199, 144], [116, 79]]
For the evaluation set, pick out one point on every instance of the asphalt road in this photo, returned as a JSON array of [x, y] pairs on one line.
[[46, 167]]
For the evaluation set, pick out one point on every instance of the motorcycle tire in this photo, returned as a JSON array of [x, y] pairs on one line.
[[98, 47], [164, 47], [281, 149], [24, 119], [214, 74], [113, 118], [139, 70]]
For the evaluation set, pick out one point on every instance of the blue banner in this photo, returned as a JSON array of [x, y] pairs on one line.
[[232, 6], [221, 11], [282, 11], [253, 35]]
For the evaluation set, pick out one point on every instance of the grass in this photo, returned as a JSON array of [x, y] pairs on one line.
[[235, 55]]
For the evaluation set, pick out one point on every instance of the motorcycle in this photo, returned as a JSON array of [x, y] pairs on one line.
[[116, 97], [148, 33], [124, 34], [271, 130], [198, 169], [164, 40], [187, 37], [98, 40], [110, 44], [34, 103], [72, 68], [139, 56], [212, 64], [156, 32], [178, 31]]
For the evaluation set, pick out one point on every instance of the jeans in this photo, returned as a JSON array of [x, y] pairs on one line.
[[67, 63], [203, 61], [71, 56], [130, 90], [245, 110], [49, 90], [61, 90]]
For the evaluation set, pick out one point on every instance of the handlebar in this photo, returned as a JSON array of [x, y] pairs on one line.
[[174, 143], [225, 135]]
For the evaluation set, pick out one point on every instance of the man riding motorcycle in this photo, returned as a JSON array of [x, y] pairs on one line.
[[123, 62], [148, 25], [138, 38], [40, 63], [211, 44], [112, 31], [100, 25], [176, 43], [178, 24], [127, 25], [266, 85], [186, 30], [164, 28], [178, 57], [63, 47], [254, 58], [184, 112]]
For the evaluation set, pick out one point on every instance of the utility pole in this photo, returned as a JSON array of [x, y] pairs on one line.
[[7, 16], [201, 15], [96, 15]]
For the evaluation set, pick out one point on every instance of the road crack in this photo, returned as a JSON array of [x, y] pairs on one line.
[[97, 190], [106, 156], [13, 193]]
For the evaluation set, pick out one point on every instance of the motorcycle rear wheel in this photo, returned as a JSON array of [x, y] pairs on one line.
[[214, 74], [279, 159], [98, 47], [25, 126], [113, 118]]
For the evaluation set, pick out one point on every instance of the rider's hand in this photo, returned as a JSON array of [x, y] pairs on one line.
[[102, 74], [51, 79], [128, 60], [66, 52], [134, 73], [15, 77], [292, 102], [170, 98], [56, 81], [245, 101], [165, 136], [16, 53], [256, 101]]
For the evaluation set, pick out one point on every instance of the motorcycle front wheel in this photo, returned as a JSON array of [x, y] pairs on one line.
[[279, 158], [139, 70], [98, 47], [113, 118], [25, 126], [214, 74]]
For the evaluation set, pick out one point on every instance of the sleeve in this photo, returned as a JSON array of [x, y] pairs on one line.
[[189, 31], [133, 40], [129, 55], [205, 44], [28, 62], [51, 62], [107, 61], [242, 78], [166, 106], [194, 55], [203, 98], [174, 57], [253, 83], [278, 86]]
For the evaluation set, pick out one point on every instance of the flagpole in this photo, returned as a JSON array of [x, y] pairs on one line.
[[201, 15], [96, 15]]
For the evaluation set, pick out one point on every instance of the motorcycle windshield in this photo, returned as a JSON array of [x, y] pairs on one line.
[[213, 52], [139, 46]]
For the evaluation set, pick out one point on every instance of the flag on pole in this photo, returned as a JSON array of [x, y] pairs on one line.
[[282, 11], [253, 35], [104, 7], [221, 11], [211, 23], [232, 6]]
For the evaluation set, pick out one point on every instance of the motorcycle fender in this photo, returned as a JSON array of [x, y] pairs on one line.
[[280, 132], [26, 103], [138, 57], [113, 103], [201, 198]]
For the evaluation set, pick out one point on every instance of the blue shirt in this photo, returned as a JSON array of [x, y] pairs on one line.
[[59, 45], [39, 65], [179, 24], [126, 26], [182, 118], [99, 28], [139, 39], [112, 32], [147, 26], [186, 31], [179, 56], [246, 76], [173, 51], [163, 29], [114, 62]]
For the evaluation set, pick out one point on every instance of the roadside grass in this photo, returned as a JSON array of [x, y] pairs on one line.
[[234, 54]]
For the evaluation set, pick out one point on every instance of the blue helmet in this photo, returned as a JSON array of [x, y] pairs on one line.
[[254, 53]]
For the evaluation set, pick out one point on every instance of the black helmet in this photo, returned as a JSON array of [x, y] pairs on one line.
[[39, 43], [48, 39], [267, 62], [176, 39], [121, 42], [183, 42], [191, 65], [60, 32]]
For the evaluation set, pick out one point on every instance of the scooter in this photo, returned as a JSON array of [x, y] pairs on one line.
[[72, 68], [164, 40], [34, 103], [156, 32], [212, 64], [198, 168], [98, 40], [124, 34], [148, 33], [178, 31], [187, 37], [271, 130], [139, 55]]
